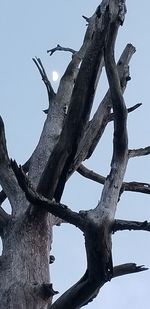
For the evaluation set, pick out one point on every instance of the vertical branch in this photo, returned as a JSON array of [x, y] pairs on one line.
[[114, 180], [8, 180], [119, 108]]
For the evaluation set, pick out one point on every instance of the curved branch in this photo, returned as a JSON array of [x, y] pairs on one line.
[[119, 108], [100, 119], [60, 48], [45, 79], [134, 186], [56, 209], [87, 173]]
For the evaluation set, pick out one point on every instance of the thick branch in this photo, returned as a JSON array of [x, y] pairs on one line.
[[119, 108], [99, 269], [7, 178], [101, 118], [60, 48], [121, 225], [56, 115], [78, 115], [128, 268], [106, 208], [25, 168], [56, 209], [139, 152]]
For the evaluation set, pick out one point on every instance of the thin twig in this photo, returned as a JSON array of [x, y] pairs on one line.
[[60, 48], [129, 110], [86, 18], [87, 173], [134, 186]]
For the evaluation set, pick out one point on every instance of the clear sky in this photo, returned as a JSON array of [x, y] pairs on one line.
[[28, 29]]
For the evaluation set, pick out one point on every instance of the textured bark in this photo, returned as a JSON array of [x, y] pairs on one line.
[[68, 137]]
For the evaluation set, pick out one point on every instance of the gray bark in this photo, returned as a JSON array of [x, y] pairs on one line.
[[68, 138]]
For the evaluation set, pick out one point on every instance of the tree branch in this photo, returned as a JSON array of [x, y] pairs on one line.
[[56, 115], [126, 186], [56, 209], [100, 119], [119, 108], [60, 48], [129, 110], [45, 79], [84, 171], [78, 114], [122, 225], [2, 197], [4, 218], [134, 186], [139, 152], [128, 268], [7, 178], [25, 168]]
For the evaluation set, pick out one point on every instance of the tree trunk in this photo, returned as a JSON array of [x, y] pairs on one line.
[[24, 265]]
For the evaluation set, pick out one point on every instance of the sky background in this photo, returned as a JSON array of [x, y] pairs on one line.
[[28, 29]]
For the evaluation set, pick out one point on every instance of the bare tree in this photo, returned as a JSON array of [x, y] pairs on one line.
[[68, 138]]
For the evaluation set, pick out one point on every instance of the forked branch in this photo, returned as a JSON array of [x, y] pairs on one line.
[[101, 118], [56, 209], [45, 79], [78, 115]]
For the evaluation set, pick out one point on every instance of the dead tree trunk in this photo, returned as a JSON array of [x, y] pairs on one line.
[[68, 138]]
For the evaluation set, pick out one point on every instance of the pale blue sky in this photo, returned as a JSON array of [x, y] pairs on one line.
[[28, 29]]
